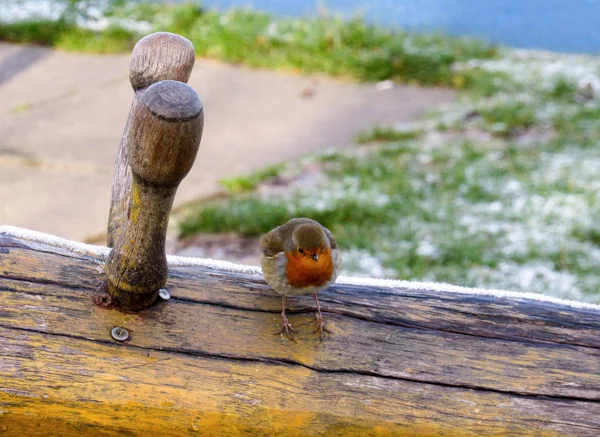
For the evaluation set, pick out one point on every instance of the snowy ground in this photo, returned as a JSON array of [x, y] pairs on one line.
[[498, 190]]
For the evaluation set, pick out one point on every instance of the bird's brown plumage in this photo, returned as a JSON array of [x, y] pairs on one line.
[[274, 242], [300, 257]]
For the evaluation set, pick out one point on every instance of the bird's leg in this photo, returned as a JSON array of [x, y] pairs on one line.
[[320, 325], [285, 323]]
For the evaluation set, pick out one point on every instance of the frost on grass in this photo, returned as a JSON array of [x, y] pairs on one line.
[[336, 192], [542, 69], [538, 200], [499, 189], [361, 263]]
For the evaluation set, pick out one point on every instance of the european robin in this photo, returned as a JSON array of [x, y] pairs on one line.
[[300, 257]]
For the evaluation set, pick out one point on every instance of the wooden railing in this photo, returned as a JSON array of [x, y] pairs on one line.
[[88, 349]]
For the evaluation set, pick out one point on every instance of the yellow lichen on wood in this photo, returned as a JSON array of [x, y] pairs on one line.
[[136, 203], [74, 387], [353, 344]]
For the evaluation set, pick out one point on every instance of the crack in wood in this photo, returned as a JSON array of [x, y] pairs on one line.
[[273, 361], [174, 298]]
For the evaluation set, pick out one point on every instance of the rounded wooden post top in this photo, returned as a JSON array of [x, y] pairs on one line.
[[172, 101], [161, 56], [166, 131]]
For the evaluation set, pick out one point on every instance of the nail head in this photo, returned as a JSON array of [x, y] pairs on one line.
[[119, 334], [164, 294]]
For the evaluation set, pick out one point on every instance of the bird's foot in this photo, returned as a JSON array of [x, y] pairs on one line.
[[287, 327], [320, 325]]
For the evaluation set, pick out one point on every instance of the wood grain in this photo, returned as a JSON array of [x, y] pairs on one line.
[[161, 56], [398, 362]]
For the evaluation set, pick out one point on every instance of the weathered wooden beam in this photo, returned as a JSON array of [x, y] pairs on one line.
[[398, 361]]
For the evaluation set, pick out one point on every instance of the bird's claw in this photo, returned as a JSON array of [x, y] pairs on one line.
[[320, 326], [287, 327]]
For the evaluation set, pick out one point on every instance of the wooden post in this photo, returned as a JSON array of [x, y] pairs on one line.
[[158, 56], [166, 127]]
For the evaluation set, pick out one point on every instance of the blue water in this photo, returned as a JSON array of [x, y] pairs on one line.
[[557, 25]]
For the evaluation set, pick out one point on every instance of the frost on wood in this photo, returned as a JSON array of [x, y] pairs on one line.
[[179, 261]]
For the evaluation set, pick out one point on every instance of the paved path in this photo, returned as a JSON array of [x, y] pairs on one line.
[[62, 116]]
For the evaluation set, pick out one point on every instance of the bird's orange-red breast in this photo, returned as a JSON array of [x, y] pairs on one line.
[[300, 257], [303, 271]]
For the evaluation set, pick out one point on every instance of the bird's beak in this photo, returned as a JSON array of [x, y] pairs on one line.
[[315, 256]]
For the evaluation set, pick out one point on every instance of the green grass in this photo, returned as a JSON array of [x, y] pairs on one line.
[[386, 133], [509, 118], [507, 196], [45, 32], [384, 192], [241, 184], [113, 39], [579, 125], [329, 45], [482, 83]]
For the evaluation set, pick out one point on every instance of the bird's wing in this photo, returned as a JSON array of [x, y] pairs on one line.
[[332, 240], [272, 243]]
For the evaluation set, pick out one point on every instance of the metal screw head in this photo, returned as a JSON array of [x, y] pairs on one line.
[[164, 294], [119, 334]]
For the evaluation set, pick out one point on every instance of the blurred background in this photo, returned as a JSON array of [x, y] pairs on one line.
[[439, 141]]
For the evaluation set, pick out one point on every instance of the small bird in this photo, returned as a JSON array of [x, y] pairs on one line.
[[300, 257]]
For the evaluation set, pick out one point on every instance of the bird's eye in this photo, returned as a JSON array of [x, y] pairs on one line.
[[321, 249], [301, 250]]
